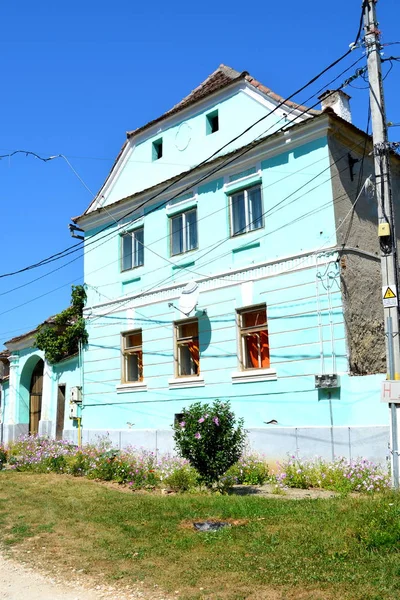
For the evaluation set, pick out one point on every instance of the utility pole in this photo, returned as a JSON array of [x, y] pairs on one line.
[[386, 229]]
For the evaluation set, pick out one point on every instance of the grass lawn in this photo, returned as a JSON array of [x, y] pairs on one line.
[[342, 548]]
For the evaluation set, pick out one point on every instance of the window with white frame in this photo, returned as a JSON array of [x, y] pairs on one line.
[[132, 356], [246, 210], [253, 338], [132, 249], [187, 352], [183, 232]]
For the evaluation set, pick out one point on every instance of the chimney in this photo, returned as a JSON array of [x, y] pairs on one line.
[[338, 101]]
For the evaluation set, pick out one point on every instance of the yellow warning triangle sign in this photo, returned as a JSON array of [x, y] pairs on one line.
[[389, 294]]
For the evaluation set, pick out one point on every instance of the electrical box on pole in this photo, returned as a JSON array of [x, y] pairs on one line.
[[386, 224]]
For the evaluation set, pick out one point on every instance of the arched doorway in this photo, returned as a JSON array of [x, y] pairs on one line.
[[35, 398]]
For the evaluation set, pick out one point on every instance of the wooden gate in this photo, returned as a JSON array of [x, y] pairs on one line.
[[35, 398], [60, 411]]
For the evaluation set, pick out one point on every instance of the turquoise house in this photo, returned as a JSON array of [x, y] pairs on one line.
[[232, 253], [35, 395]]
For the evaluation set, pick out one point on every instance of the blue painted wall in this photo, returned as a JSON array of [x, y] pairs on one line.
[[185, 143], [303, 295]]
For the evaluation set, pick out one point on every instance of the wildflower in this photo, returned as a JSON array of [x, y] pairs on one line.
[[216, 420], [182, 424], [201, 420], [197, 435]]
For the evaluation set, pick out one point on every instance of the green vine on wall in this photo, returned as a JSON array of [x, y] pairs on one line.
[[60, 338]]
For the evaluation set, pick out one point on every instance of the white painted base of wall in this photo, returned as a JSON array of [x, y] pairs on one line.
[[13, 432], [276, 443]]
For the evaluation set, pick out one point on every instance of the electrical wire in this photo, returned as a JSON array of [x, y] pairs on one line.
[[147, 246], [310, 82], [160, 283], [207, 175]]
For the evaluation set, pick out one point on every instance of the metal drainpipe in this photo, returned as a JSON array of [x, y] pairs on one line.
[[330, 309], [321, 339]]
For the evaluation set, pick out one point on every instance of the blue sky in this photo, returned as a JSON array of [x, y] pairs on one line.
[[76, 76]]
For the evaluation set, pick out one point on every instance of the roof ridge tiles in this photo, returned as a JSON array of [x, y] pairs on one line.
[[222, 77]]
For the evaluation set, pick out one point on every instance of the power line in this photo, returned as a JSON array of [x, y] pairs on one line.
[[160, 283], [236, 154], [147, 246], [112, 232], [179, 178], [121, 304]]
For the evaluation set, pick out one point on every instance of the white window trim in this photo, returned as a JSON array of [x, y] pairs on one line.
[[182, 205], [231, 187], [184, 231], [139, 386], [122, 234], [254, 375], [246, 210], [186, 382]]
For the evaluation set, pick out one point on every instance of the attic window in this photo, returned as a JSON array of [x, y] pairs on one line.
[[212, 124], [157, 149]]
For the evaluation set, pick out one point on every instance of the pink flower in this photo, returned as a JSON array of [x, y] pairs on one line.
[[216, 420], [201, 420], [182, 424], [197, 435]]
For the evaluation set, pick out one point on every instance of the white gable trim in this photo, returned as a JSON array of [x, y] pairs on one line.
[[242, 86], [292, 114]]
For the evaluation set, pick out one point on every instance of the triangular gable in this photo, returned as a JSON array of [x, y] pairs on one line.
[[223, 77]]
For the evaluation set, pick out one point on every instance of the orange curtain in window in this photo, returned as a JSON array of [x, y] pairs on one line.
[[252, 343], [140, 365], [194, 353]]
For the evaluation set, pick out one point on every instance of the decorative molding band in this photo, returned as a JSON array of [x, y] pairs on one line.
[[254, 375], [264, 270], [185, 382], [140, 386]]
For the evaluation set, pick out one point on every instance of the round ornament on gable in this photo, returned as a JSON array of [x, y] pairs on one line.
[[183, 136]]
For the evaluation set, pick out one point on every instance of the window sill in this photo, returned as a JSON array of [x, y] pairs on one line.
[[139, 386], [252, 375], [186, 382]]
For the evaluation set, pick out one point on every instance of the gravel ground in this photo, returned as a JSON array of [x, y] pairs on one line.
[[19, 582]]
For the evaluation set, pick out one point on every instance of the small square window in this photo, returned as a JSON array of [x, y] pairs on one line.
[[157, 149], [253, 334], [178, 418], [132, 351], [212, 122], [246, 210], [132, 249], [187, 352], [184, 232]]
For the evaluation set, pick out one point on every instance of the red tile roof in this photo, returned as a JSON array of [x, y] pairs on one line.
[[219, 79]]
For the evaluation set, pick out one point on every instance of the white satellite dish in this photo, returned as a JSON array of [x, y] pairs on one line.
[[189, 298]]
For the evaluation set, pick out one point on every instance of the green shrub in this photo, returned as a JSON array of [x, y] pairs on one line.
[[210, 438], [182, 479], [341, 475], [78, 464], [250, 469], [3, 456]]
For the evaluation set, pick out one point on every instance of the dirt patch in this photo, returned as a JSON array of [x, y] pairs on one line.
[[19, 581], [188, 524], [269, 491]]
